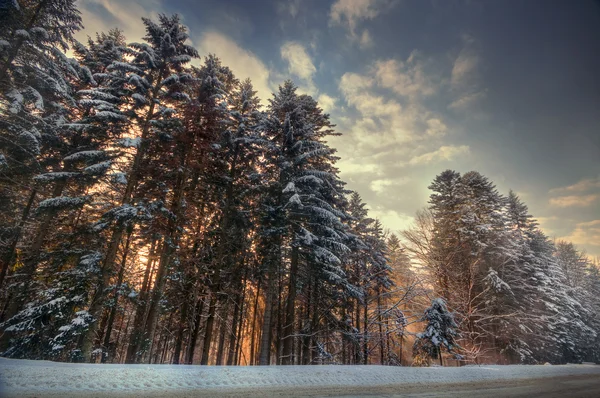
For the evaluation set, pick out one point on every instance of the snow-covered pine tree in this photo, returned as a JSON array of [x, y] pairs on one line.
[[593, 289], [81, 156], [156, 75], [472, 247], [304, 227], [236, 185], [34, 92], [570, 271], [441, 332]]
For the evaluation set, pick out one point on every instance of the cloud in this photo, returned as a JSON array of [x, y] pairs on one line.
[[465, 78], [574, 200], [392, 219], [102, 15], [392, 129], [584, 185], [327, 102], [585, 234], [290, 7], [349, 13], [242, 62], [299, 63], [356, 87], [365, 39], [407, 79], [436, 128], [381, 185], [443, 153], [467, 100], [350, 167], [396, 123], [464, 69]]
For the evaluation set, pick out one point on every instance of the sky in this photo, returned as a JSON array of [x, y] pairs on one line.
[[507, 88]]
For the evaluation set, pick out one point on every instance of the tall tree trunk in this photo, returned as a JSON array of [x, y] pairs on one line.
[[195, 330], [315, 319], [171, 241], [183, 322], [380, 322], [253, 333], [222, 333], [238, 317], [264, 357], [366, 334], [9, 255], [288, 328], [112, 352], [401, 346], [279, 324], [85, 343], [358, 345], [137, 335], [344, 336], [113, 310], [208, 331], [159, 283], [306, 328], [239, 338]]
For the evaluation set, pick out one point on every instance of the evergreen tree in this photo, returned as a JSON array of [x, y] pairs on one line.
[[302, 217], [156, 76], [35, 95], [440, 331]]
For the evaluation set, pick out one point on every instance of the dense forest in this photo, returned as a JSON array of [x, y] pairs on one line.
[[152, 211]]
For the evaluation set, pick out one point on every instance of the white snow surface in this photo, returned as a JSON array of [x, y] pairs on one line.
[[53, 378]]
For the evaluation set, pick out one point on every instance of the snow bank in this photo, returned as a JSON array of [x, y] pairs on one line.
[[23, 377]]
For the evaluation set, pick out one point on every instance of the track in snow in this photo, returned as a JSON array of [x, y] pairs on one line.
[[45, 378]]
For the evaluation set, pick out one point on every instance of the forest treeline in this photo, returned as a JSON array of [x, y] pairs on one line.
[[156, 212]]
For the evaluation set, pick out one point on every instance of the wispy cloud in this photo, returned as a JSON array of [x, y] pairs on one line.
[[392, 219], [574, 200], [446, 152], [289, 7], [300, 64], [350, 13], [465, 101], [465, 78], [383, 184], [327, 102], [583, 193], [586, 234], [102, 15], [407, 79], [584, 185]]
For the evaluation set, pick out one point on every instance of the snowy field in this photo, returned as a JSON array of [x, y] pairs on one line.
[[44, 378]]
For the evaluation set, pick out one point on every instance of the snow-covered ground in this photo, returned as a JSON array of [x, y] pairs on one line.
[[44, 378]]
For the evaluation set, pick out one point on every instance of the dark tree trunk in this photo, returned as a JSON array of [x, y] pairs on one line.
[[136, 338], [208, 331], [288, 329], [264, 357], [253, 333], [180, 332], [222, 333], [113, 310], [8, 257], [195, 331]]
